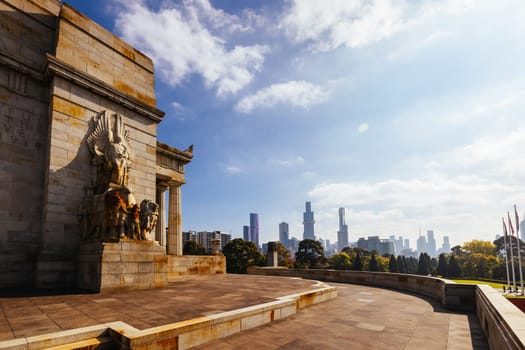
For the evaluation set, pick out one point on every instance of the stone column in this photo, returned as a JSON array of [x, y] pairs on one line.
[[160, 231], [174, 242]]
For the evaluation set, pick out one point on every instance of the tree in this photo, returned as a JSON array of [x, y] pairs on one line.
[[479, 247], [241, 254], [453, 268], [372, 265], [283, 255], [499, 244], [423, 267], [340, 261], [392, 264], [401, 264], [456, 250], [310, 254], [357, 264], [442, 265], [193, 248]]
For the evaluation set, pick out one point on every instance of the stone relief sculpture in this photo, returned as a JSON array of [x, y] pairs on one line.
[[109, 211], [109, 143], [149, 212]]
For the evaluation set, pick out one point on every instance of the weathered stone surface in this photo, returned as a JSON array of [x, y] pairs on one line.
[[122, 265], [58, 69]]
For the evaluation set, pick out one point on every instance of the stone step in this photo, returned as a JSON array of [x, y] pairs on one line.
[[100, 343]]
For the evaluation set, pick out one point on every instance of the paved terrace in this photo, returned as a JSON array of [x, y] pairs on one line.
[[360, 317]]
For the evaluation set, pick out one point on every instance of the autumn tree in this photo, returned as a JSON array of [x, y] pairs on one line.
[[340, 261], [283, 255], [479, 247]]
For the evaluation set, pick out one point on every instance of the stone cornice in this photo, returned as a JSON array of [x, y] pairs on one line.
[[64, 70], [172, 152], [22, 67]]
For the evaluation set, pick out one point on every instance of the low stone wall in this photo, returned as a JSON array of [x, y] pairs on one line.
[[502, 322], [196, 265], [451, 295]]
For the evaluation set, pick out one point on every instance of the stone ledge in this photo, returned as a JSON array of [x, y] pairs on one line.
[[178, 335], [55, 339], [502, 322], [68, 72]]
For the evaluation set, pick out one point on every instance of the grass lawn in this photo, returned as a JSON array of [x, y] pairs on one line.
[[498, 286]]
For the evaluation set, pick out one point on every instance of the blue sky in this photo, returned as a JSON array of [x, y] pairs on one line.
[[406, 113]]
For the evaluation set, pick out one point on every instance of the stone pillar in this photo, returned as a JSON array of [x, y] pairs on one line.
[[174, 242], [160, 231], [272, 257]]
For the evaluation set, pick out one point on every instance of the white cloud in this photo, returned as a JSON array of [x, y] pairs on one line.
[[295, 93], [231, 169], [287, 163], [460, 206], [349, 23], [192, 39], [358, 23], [363, 127], [461, 192]]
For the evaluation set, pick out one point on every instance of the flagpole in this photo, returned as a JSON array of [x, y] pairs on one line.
[[506, 251], [511, 252], [518, 243]]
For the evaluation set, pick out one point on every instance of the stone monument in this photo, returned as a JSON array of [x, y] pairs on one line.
[[83, 176]]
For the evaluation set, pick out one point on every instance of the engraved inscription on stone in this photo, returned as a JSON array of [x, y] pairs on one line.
[[20, 127], [17, 82]]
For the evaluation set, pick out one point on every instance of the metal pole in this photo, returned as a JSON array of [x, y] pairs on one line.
[[506, 254], [512, 253], [518, 243]]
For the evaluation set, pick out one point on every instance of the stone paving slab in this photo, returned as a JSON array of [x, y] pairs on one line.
[[360, 317], [185, 298], [364, 317]]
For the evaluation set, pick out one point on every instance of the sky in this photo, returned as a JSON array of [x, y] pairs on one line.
[[409, 114]]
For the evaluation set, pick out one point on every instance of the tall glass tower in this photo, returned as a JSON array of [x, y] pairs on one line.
[[342, 234], [308, 222], [254, 228], [246, 233], [284, 236]]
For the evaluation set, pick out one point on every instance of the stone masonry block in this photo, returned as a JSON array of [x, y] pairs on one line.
[[206, 334], [258, 319]]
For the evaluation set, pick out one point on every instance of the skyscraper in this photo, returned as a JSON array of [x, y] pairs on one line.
[[246, 233], [308, 222], [342, 234], [446, 244], [431, 243], [284, 234], [421, 244], [254, 228]]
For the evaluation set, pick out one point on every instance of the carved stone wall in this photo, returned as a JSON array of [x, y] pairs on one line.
[[26, 35], [58, 69], [92, 71]]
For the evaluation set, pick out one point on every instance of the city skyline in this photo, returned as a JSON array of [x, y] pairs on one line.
[[406, 113]]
